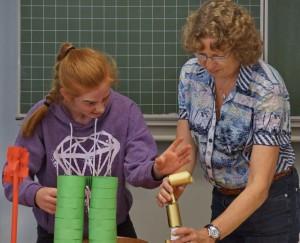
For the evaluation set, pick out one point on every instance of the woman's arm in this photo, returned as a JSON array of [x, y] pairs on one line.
[[261, 172], [182, 149], [183, 132]]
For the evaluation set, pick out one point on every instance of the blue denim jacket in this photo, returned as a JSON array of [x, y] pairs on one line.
[[257, 111]]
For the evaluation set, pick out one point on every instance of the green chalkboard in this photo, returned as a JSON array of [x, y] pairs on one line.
[[142, 35], [284, 46]]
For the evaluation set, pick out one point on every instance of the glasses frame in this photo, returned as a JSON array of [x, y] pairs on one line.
[[215, 59]]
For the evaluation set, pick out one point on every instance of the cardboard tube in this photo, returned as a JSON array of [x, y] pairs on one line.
[[181, 178]]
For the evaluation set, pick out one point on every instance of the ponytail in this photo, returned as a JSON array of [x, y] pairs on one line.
[[31, 122], [37, 116]]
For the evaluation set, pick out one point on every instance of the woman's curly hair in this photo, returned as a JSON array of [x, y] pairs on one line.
[[231, 26]]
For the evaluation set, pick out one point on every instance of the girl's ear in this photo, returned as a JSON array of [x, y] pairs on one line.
[[66, 96]]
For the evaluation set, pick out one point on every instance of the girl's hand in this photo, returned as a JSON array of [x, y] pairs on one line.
[[45, 199], [175, 156]]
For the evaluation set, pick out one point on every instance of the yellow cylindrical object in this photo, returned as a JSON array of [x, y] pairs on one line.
[[168, 241], [180, 178], [173, 214]]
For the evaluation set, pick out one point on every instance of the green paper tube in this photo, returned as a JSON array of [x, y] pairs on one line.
[[70, 202], [69, 210], [104, 182], [102, 213], [103, 203]]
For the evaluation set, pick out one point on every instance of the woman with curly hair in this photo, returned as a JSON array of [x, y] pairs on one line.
[[234, 110]]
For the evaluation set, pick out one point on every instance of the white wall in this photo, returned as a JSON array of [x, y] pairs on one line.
[[150, 221], [8, 109]]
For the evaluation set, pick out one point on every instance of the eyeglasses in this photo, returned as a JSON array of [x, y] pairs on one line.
[[215, 59]]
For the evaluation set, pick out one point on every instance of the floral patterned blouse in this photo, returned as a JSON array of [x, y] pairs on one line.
[[257, 111]]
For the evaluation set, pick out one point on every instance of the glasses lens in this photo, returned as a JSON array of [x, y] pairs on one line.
[[201, 57], [218, 58], [204, 58]]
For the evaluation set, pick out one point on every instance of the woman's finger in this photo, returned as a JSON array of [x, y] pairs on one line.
[[175, 144], [165, 195], [184, 151], [185, 161]]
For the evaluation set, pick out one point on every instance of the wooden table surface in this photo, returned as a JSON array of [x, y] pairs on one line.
[[125, 240]]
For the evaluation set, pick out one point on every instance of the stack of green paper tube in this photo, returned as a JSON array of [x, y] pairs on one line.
[[102, 213], [68, 226]]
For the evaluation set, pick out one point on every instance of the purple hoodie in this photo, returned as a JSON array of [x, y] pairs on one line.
[[118, 144]]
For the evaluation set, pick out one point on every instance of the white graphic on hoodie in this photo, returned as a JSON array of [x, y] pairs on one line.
[[80, 155]]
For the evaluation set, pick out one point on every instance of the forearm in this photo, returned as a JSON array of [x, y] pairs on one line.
[[260, 177], [141, 175], [27, 192], [240, 209], [183, 131]]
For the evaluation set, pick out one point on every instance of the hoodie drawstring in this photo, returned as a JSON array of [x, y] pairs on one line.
[[71, 138], [95, 143]]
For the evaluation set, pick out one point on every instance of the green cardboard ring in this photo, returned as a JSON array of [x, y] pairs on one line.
[[103, 202], [71, 186], [69, 213], [104, 182], [102, 235], [64, 233], [67, 241], [68, 223], [103, 193], [70, 202], [100, 214], [71, 181]]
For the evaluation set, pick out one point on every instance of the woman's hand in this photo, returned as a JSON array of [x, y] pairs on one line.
[[175, 156], [190, 235], [45, 199], [165, 191]]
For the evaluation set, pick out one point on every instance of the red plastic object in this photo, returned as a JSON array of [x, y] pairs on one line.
[[14, 172]]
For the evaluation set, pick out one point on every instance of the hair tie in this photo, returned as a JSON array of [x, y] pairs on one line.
[[69, 49], [46, 103]]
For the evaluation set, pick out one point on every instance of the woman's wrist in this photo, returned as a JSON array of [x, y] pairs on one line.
[[213, 232]]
